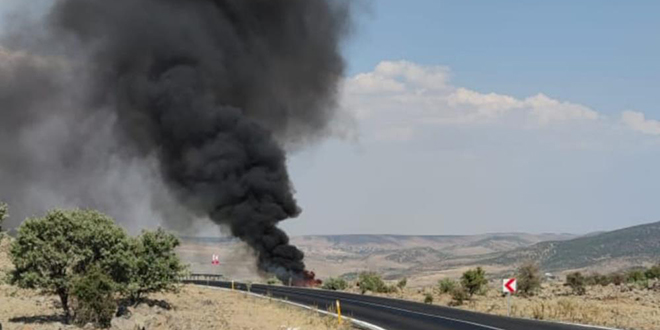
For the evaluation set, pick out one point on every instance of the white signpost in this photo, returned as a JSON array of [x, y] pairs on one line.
[[509, 287]]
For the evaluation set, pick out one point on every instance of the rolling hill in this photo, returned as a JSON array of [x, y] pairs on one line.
[[633, 246]]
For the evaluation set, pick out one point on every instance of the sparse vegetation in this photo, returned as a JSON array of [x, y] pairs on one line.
[[529, 279], [402, 283], [370, 281], [336, 284], [635, 276], [474, 280], [428, 298], [458, 295], [653, 273], [577, 283], [446, 285]]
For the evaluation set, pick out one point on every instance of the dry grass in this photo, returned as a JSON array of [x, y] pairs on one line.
[[192, 308], [622, 307]]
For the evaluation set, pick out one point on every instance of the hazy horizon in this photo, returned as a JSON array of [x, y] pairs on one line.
[[458, 118]]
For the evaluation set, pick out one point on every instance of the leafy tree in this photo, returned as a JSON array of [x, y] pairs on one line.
[[153, 265], [336, 284], [529, 278], [474, 280], [4, 213], [50, 252], [446, 285], [576, 281], [93, 298]]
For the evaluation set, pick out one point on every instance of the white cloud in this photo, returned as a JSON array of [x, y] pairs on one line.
[[638, 122], [401, 95]]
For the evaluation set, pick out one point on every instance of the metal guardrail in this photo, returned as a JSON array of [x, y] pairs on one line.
[[203, 277]]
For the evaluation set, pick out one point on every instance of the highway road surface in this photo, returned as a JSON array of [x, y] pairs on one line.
[[394, 314]]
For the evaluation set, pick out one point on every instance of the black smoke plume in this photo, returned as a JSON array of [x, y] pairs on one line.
[[212, 92]]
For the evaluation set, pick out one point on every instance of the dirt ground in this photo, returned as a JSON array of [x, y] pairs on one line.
[[192, 308], [622, 307]]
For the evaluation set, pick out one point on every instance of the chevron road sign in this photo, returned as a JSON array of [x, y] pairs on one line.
[[509, 285]]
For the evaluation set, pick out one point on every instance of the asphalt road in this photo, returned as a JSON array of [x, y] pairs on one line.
[[394, 314]]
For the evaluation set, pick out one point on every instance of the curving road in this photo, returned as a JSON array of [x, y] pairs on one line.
[[394, 314]]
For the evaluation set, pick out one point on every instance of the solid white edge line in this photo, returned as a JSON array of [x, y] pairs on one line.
[[425, 314], [361, 323], [468, 322]]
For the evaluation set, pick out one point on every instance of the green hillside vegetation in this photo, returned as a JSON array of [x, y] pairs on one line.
[[639, 243]]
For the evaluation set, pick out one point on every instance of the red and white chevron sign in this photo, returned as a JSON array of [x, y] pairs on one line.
[[509, 285]]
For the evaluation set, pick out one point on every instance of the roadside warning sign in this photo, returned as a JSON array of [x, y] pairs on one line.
[[509, 285]]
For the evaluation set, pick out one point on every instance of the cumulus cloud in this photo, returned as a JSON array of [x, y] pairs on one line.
[[401, 95], [638, 122]]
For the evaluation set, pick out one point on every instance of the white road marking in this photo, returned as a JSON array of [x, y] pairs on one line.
[[412, 312]]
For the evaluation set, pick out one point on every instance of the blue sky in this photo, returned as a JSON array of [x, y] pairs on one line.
[[569, 176], [463, 117]]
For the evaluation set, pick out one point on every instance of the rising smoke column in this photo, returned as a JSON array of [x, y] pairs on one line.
[[214, 90]]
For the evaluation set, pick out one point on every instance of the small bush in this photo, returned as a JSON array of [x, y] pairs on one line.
[[529, 279], [635, 276], [576, 282], [272, 281], [474, 280], [616, 278], [336, 284], [402, 283], [369, 281], [597, 279], [428, 298], [653, 272], [93, 298], [458, 295], [446, 285]]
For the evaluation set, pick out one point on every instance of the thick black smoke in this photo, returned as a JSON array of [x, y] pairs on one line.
[[212, 90]]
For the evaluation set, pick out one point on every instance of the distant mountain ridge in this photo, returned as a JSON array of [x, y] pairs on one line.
[[633, 244]]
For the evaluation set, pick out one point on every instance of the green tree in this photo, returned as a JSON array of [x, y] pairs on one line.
[[576, 281], [474, 280], [4, 213], [335, 284], [529, 278], [93, 298], [50, 252], [153, 265]]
